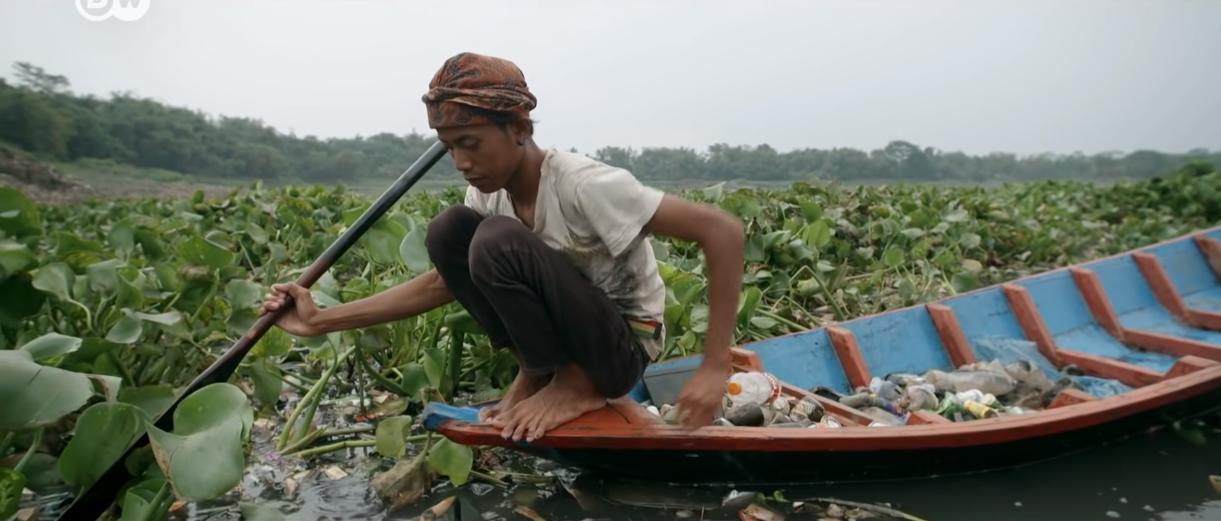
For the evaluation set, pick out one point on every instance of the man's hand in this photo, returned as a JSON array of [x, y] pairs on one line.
[[301, 318], [702, 395]]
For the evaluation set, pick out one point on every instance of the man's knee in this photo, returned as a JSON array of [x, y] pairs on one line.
[[455, 224], [495, 234]]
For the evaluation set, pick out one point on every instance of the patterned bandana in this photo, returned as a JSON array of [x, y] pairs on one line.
[[473, 80]]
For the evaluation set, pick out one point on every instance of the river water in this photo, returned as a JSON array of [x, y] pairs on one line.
[[1159, 475]]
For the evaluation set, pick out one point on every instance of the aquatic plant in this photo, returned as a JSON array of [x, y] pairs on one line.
[[110, 308]]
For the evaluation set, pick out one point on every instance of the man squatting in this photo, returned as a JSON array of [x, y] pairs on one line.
[[550, 255]]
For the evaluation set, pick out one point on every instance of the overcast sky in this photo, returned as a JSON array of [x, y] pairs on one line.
[[1024, 76]]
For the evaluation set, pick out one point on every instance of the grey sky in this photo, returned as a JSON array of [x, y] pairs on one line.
[[1025, 77]]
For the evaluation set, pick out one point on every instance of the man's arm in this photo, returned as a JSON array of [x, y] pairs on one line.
[[416, 296], [722, 237]]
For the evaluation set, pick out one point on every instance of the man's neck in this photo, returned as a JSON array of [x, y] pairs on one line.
[[523, 188]]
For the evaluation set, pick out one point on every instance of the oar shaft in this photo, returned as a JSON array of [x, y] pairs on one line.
[[227, 364]]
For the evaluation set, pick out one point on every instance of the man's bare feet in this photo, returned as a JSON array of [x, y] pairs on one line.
[[569, 395], [522, 387]]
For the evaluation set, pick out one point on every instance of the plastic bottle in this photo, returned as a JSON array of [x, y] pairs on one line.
[[753, 388], [989, 382], [885, 389], [920, 397]]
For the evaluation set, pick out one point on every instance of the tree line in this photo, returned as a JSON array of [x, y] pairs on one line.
[[40, 113]]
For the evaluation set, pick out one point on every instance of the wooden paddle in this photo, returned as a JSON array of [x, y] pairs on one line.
[[96, 499]]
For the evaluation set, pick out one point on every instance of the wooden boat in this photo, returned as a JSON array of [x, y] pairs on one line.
[[1149, 319]]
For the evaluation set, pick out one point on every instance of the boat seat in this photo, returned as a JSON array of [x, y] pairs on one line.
[[1141, 320], [1072, 326]]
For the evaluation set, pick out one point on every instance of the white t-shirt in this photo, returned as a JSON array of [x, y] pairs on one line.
[[594, 213]]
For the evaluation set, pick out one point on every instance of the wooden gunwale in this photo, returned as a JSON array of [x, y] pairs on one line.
[[1191, 375]]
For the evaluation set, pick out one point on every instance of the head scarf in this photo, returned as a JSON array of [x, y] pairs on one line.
[[473, 80]]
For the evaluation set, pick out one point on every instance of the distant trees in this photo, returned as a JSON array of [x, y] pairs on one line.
[[40, 114]]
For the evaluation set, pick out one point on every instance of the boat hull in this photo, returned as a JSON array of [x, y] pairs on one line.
[[751, 467]]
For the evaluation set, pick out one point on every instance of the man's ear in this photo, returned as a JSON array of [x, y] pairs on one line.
[[522, 129]]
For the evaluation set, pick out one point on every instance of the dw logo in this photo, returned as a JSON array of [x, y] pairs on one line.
[[101, 10]]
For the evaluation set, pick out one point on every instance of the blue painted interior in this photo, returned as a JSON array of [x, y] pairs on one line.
[[983, 315], [639, 393], [805, 360], [1137, 308], [1067, 318], [1190, 274], [903, 341]]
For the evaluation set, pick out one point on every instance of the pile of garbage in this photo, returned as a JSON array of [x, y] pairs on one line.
[[970, 392]]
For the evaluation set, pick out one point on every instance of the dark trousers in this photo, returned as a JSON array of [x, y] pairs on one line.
[[532, 299]]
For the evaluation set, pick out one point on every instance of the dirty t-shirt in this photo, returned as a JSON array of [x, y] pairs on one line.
[[594, 212]]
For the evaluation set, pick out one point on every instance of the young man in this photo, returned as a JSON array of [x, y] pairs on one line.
[[550, 254]]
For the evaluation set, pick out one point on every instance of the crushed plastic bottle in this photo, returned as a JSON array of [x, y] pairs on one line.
[[986, 381], [886, 389], [753, 388], [919, 397]]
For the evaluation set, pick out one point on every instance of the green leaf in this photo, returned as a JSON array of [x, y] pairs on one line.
[[126, 330], [122, 237], [964, 281], [817, 234], [811, 212], [197, 250], [267, 383], [152, 399], [18, 217], [892, 257], [275, 342], [203, 457], [391, 436], [51, 345], [748, 303], [11, 485], [434, 366], [243, 294], [138, 501], [957, 216], [15, 257], [256, 233], [413, 251], [151, 244], [764, 323], [451, 460], [56, 279], [103, 433], [34, 395], [171, 321], [103, 277], [414, 379], [78, 252], [383, 240]]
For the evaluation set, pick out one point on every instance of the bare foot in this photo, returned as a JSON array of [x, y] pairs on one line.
[[522, 387], [567, 397]]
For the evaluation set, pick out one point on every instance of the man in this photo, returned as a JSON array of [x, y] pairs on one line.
[[550, 254]]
